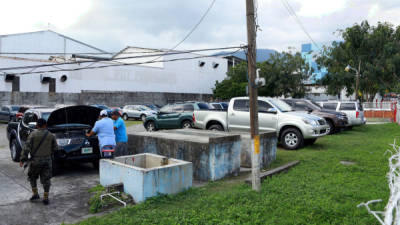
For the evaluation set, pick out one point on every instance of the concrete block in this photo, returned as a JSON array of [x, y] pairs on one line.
[[268, 145], [147, 175], [214, 155]]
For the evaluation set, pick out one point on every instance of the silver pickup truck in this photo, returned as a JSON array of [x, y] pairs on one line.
[[294, 129]]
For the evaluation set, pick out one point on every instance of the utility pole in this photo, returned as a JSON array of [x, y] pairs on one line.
[[253, 95], [358, 79]]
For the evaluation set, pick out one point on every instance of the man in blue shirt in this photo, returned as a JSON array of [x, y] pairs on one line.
[[104, 128], [120, 134]]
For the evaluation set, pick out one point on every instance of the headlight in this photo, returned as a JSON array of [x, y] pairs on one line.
[[310, 122], [63, 141]]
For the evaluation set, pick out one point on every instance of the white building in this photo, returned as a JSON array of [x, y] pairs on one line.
[[197, 74]]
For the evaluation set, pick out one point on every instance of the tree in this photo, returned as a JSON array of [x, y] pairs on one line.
[[373, 50], [284, 73]]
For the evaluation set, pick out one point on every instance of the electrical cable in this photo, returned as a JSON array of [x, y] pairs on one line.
[[115, 65], [114, 59]]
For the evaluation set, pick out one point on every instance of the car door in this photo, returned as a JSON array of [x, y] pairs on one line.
[[163, 115], [267, 117], [239, 116], [172, 119]]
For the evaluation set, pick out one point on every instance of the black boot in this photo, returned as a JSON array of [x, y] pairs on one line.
[[35, 195], [46, 198]]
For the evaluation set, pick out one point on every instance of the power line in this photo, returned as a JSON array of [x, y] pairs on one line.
[[119, 58], [114, 65], [297, 19], [193, 29]]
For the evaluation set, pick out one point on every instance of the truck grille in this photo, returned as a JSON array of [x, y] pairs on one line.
[[77, 141], [321, 122]]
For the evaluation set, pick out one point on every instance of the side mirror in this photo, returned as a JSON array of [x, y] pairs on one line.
[[32, 125], [272, 110]]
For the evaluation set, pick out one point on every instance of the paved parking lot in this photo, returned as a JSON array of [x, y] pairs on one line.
[[68, 195]]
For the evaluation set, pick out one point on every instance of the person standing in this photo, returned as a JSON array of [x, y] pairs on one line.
[[120, 134], [104, 128], [41, 145]]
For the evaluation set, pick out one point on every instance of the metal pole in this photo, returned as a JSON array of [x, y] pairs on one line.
[[251, 64]]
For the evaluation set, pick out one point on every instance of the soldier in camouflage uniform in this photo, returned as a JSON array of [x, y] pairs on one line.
[[41, 162]]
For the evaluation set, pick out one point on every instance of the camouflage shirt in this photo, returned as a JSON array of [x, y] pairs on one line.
[[48, 147]]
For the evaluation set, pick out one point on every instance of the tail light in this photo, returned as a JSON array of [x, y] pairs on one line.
[[194, 118], [19, 115], [357, 114]]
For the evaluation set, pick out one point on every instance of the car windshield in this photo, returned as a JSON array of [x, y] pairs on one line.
[[144, 108], [14, 108], [45, 115], [281, 105], [316, 105]]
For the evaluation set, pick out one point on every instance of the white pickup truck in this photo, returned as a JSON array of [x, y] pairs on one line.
[[294, 129]]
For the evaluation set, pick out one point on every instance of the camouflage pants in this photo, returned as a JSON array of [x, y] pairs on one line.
[[40, 168]]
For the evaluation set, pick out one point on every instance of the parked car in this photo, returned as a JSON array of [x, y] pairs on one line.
[[137, 112], [69, 124], [9, 113], [335, 120], [171, 116], [294, 129], [353, 110], [152, 106]]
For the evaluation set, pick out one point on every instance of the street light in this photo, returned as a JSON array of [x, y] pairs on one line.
[[347, 69]]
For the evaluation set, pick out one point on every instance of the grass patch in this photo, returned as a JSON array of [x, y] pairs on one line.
[[320, 190], [132, 122]]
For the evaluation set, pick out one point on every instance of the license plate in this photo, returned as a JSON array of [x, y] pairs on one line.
[[87, 150]]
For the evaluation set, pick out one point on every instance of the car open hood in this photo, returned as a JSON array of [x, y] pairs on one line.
[[80, 114]]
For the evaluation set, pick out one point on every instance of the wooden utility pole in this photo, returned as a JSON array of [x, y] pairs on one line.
[[253, 95]]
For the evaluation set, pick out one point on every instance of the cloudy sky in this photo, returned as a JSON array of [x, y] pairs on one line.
[[112, 25]]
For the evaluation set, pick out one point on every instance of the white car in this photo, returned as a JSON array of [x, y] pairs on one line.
[[137, 112], [353, 110]]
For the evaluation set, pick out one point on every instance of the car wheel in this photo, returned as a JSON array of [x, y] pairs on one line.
[[332, 128], [151, 126], [143, 117], [15, 153], [186, 124], [292, 139], [216, 127], [310, 141], [96, 164], [125, 117]]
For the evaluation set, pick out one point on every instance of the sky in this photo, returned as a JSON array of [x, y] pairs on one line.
[[113, 25]]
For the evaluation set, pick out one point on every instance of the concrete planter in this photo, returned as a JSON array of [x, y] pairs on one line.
[[146, 175], [214, 155]]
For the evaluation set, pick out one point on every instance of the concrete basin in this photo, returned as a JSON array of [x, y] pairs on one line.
[[146, 175]]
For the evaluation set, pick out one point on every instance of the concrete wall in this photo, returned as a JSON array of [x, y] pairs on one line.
[[268, 143], [142, 183], [214, 155], [107, 98]]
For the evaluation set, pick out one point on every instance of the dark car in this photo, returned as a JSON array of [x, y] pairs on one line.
[[9, 113], [69, 125], [174, 116], [335, 120]]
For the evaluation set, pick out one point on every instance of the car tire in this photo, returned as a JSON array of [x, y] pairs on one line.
[[216, 127], [55, 167], [125, 117], [15, 153], [186, 124], [292, 139], [96, 164], [332, 127], [310, 141], [150, 126], [143, 117]]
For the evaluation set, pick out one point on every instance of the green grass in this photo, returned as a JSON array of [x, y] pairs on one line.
[[319, 190], [132, 122]]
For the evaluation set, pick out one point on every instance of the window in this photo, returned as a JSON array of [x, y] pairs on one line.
[[300, 106], [224, 105], [34, 118], [203, 105], [5, 109], [330, 106], [241, 105], [264, 106], [45, 116], [177, 108], [347, 106], [166, 109], [216, 106], [27, 118], [15, 108], [188, 108]]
